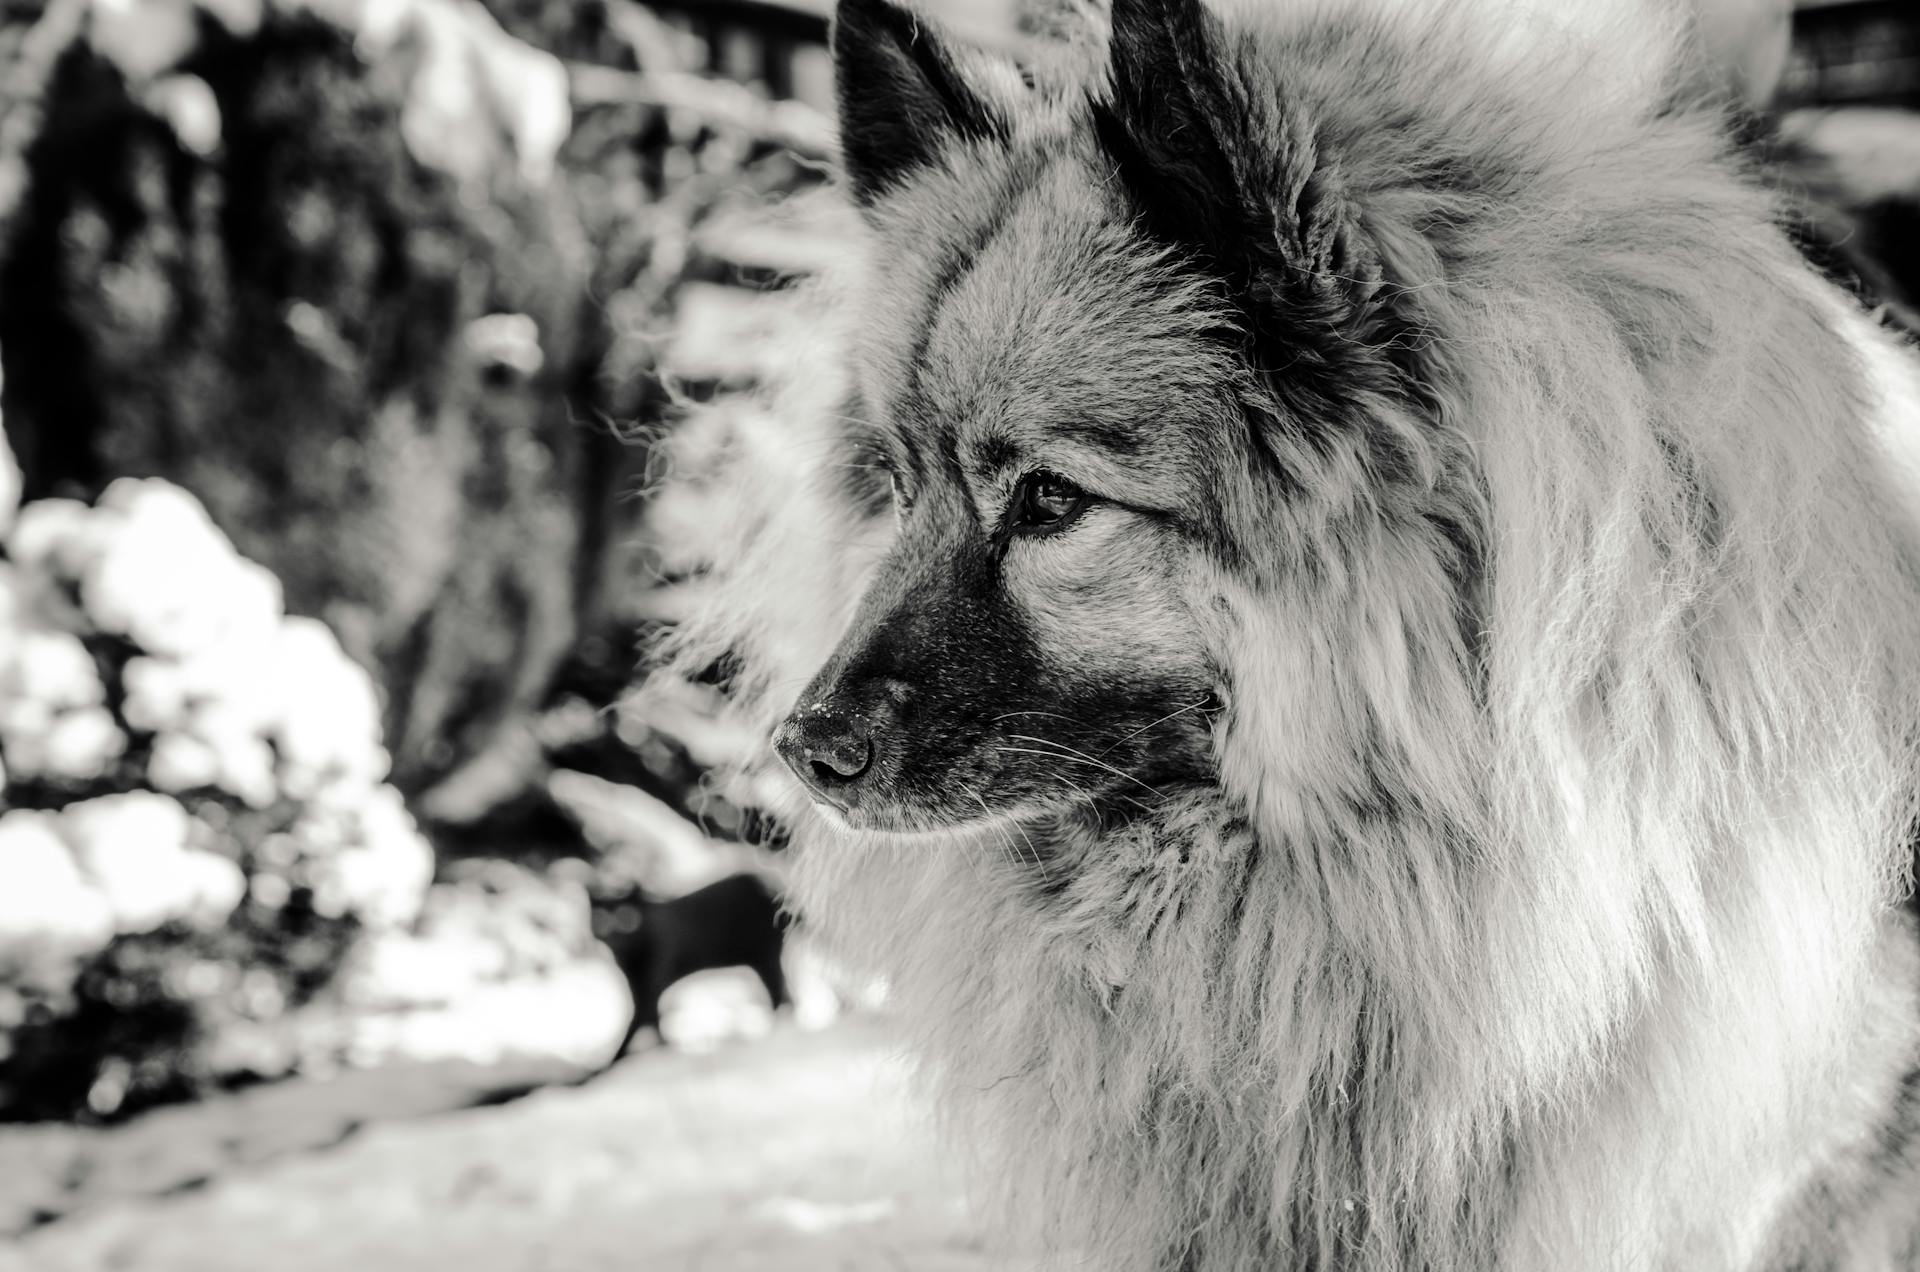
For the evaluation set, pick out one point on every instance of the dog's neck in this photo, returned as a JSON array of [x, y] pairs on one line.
[[1167, 996]]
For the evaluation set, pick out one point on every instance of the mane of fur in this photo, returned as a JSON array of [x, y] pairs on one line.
[[1547, 926]]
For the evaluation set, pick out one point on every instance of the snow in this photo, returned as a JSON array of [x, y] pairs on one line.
[[577, 1013], [510, 340], [51, 720], [188, 105], [143, 37], [164, 576], [181, 762], [240, 697], [325, 715], [106, 866], [79, 746], [50, 670], [48, 908], [134, 848], [364, 855], [800, 1152], [237, 697], [48, 537]]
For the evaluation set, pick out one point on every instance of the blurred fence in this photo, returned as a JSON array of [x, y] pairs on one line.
[[777, 45], [1854, 52]]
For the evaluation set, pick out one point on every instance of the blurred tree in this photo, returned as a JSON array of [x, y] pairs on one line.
[[281, 325]]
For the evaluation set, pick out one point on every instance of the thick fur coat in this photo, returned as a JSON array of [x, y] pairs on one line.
[[1349, 610]]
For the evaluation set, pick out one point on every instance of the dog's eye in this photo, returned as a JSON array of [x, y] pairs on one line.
[[1045, 503]]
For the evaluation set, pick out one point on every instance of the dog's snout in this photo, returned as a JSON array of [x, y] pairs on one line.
[[829, 750], [840, 755]]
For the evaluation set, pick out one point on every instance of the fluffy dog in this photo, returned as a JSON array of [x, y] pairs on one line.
[[1363, 632]]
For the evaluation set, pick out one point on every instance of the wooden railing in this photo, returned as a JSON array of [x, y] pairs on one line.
[[1854, 52], [777, 46], [1845, 52]]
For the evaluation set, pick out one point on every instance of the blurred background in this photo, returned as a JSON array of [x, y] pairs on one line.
[[370, 369]]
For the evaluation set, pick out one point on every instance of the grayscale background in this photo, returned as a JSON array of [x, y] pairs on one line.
[[340, 339]]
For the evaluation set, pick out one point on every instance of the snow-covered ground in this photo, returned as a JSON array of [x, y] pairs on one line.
[[795, 1153]]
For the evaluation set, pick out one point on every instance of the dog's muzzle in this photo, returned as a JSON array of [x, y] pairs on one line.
[[832, 750]]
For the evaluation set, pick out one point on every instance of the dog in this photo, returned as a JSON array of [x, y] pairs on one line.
[[1346, 625], [732, 922]]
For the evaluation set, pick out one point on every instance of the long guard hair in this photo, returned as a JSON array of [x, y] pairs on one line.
[[1540, 907]]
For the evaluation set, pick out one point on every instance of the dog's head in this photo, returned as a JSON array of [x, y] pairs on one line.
[[1129, 351]]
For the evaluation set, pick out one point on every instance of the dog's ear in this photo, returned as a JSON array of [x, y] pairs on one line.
[[1218, 169], [1167, 125], [902, 94]]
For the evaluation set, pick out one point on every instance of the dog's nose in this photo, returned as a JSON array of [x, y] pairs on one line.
[[828, 750]]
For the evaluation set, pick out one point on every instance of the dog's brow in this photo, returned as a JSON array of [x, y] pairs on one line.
[[904, 452], [994, 452]]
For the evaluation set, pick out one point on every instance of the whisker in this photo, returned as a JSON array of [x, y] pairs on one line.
[[1039, 864], [1092, 800], [1193, 706], [1064, 780], [1051, 715], [1065, 752], [971, 849], [1012, 852]]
